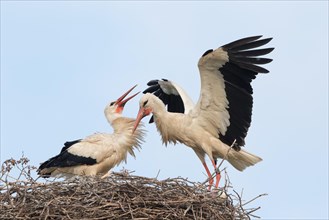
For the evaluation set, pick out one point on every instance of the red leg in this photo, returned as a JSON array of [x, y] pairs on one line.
[[211, 181], [217, 174]]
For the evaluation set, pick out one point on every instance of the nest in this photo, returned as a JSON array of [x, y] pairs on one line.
[[119, 196]]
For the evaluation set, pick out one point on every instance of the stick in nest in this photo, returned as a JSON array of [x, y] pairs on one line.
[[121, 196]]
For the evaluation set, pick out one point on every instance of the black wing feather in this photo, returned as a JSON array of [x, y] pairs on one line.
[[173, 102], [251, 45], [69, 144], [242, 68], [240, 42], [66, 159], [251, 53], [152, 88], [250, 60]]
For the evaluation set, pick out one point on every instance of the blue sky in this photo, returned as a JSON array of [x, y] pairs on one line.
[[62, 62]]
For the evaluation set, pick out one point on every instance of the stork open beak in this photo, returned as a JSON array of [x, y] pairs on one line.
[[121, 101]]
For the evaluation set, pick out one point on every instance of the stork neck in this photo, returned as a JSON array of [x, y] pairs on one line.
[[123, 130], [122, 125], [112, 117], [165, 125], [159, 109]]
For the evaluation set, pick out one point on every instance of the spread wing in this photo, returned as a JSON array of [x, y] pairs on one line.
[[225, 104]]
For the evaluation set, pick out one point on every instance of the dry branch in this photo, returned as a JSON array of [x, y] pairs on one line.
[[120, 196]]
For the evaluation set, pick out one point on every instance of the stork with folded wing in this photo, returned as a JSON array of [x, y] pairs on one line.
[[97, 153]]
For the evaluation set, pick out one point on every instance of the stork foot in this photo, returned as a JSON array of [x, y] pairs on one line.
[[217, 174], [211, 180], [106, 175]]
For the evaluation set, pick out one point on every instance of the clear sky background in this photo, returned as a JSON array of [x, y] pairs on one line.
[[62, 62]]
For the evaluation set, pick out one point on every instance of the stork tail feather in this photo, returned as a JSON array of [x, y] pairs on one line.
[[242, 159]]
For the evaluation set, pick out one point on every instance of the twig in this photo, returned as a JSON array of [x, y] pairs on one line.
[[220, 164], [226, 155], [264, 194], [156, 177], [120, 196]]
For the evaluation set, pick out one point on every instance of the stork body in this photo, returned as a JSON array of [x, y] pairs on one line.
[[97, 153], [222, 114]]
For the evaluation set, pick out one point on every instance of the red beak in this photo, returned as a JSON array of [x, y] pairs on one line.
[[121, 101], [141, 114]]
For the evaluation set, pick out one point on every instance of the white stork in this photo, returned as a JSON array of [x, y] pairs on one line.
[[222, 114], [97, 153]]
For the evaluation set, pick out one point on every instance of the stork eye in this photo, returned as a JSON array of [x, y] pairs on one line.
[[145, 103], [112, 103]]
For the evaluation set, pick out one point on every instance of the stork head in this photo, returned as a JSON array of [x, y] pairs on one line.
[[148, 104], [114, 109]]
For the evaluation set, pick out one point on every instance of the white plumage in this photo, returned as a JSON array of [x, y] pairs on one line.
[[97, 153], [223, 112]]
